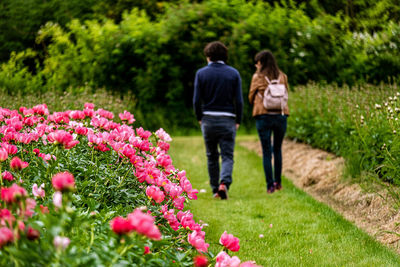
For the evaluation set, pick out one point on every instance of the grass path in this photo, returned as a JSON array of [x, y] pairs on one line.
[[298, 230]]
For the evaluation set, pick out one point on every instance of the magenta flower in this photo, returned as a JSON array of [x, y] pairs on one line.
[[7, 176], [120, 225], [155, 193], [196, 239], [13, 193], [126, 116], [224, 260], [3, 154], [6, 236], [63, 138], [17, 164], [63, 181], [229, 241], [144, 224]]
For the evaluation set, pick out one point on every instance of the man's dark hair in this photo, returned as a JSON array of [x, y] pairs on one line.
[[216, 51]]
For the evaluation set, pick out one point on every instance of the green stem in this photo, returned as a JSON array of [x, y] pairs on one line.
[[123, 179]]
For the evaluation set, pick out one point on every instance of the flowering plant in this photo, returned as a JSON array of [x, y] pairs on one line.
[[108, 194]]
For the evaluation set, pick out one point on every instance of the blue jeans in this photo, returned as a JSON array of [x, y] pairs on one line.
[[267, 124], [219, 131]]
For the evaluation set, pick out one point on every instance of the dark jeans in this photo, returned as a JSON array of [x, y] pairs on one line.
[[277, 125], [219, 131]]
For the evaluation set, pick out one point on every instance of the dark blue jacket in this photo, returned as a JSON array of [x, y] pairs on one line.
[[218, 87]]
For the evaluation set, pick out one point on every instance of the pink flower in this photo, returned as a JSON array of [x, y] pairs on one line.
[[146, 250], [81, 130], [89, 106], [178, 203], [61, 242], [200, 261], [77, 115], [63, 181], [7, 176], [41, 109], [12, 193], [32, 234], [120, 226], [57, 200], [144, 224], [44, 209], [229, 241], [17, 164], [126, 116], [30, 205], [196, 239], [6, 236], [155, 193], [38, 191], [224, 260], [3, 154], [11, 149], [62, 137], [163, 135]]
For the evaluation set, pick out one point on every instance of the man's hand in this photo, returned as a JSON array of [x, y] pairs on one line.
[[200, 123], [237, 126]]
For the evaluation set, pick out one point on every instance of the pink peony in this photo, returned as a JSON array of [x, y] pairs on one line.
[[17, 164], [224, 260], [61, 242], [12, 193], [200, 261], [6, 236], [196, 239], [7, 176], [163, 135], [63, 138], [38, 191], [3, 154], [144, 224], [63, 181], [155, 193], [57, 200], [89, 106], [120, 226], [126, 116], [229, 241], [146, 250], [32, 234]]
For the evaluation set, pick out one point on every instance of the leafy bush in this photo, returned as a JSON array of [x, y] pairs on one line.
[[156, 59]]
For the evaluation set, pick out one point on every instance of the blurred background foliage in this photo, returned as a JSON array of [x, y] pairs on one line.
[[150, 50]]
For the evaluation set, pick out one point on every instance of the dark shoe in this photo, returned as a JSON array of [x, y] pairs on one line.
[[223, 191], [270, 190], [277, 186]]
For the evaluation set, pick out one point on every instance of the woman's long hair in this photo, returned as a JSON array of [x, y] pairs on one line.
[[269, 67]]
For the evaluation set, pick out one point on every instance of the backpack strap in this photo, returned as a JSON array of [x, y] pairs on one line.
[[273, 81]]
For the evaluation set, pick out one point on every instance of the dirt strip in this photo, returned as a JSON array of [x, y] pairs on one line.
[[319, 173]]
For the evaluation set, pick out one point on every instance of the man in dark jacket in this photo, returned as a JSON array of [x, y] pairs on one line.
[[218, 104]]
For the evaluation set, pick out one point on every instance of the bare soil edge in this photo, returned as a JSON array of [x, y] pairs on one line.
[[319, 173]]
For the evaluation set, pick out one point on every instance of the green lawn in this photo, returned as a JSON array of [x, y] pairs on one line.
[[298, 230]]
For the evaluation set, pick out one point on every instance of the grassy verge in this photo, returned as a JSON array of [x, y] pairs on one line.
[[298, 231]]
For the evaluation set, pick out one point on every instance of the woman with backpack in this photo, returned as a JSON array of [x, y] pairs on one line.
[[268, 95]]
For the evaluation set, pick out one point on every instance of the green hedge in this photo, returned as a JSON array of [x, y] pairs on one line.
[[156, 59]]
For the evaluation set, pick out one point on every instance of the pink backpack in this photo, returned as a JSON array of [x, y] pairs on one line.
[[275, 95]]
